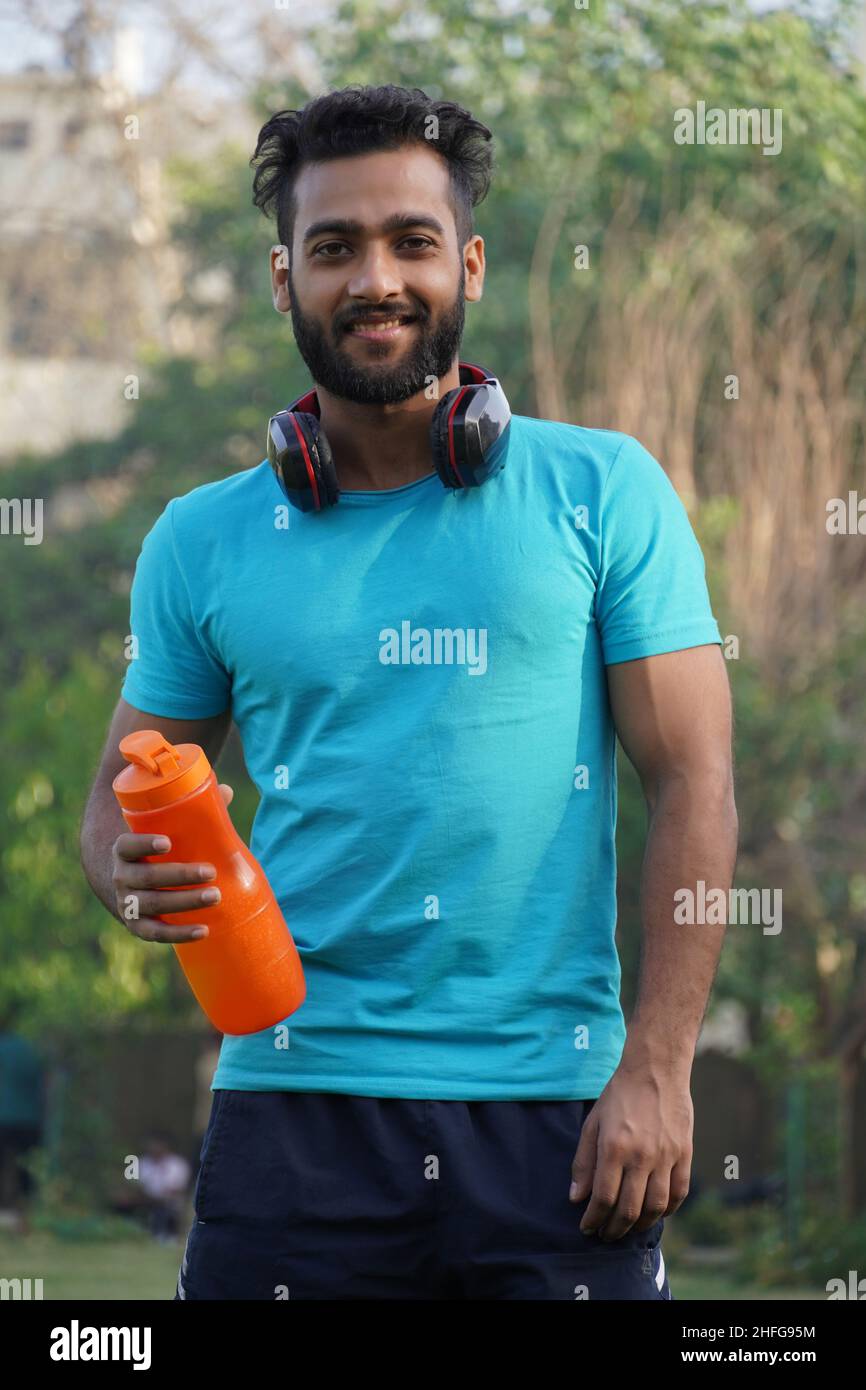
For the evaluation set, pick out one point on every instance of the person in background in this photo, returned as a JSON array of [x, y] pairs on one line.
[[164, 1183]]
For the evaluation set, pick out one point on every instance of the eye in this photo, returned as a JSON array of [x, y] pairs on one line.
[[332, 250]]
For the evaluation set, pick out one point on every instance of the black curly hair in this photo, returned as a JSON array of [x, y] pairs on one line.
[[359, 120]]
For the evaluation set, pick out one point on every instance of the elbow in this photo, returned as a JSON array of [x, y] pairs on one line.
[[706, 791]]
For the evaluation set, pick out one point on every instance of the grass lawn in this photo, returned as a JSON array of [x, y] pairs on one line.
[[701, 1285], [114, 1269], [130, 1270]]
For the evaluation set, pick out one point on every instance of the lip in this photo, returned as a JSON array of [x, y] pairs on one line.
[[374, 334]]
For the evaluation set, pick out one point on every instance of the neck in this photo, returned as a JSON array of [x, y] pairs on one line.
[[381, 446]]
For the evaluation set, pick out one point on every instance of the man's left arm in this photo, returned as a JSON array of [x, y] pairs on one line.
[[673, 716]]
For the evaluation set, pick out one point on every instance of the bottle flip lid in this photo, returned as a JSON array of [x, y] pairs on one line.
[[158, 772]]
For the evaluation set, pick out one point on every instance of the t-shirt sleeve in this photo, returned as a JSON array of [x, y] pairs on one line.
[[652, 593], [173, 671]]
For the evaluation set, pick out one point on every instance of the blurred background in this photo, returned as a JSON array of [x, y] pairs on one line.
[[709, 299]]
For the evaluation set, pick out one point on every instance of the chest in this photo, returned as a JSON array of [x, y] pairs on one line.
[[336, 602]]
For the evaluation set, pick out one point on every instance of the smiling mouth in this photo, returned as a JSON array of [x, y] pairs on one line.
[[378, 329]]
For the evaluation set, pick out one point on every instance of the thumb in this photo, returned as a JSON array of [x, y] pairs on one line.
[[227, 792]]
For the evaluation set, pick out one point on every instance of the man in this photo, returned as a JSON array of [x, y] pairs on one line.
[[459, 1112]]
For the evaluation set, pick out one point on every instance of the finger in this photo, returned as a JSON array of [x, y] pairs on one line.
[[629, 1204], [149, 929], [227, 792], [583, 1167], [656, 1200], [148, 904], [680, 1176], [132, 847], [605, 1190], [141, 876]]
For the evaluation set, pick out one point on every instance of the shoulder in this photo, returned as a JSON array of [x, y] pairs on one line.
[[197, 531], [224, 500], [562, 447]]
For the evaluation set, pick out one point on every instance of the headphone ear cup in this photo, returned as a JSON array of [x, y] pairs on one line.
[[469, 434], [439, 444], [300, 456], [327, 472]]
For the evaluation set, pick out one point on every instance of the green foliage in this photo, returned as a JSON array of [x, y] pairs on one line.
[[69, 1205], [74, 1167], [72, 960], [830, 1245], [707, 1221]]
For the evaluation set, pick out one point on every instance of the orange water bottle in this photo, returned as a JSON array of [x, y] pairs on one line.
[[246, 974]]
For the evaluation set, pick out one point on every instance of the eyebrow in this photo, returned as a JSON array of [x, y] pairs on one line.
[[348, 226]]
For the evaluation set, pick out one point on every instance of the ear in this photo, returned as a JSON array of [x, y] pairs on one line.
[[279, 258], [473, 268]]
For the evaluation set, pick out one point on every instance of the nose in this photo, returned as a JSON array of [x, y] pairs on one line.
[[375, 276]]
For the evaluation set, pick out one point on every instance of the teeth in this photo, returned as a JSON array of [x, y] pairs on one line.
[[379, 323]]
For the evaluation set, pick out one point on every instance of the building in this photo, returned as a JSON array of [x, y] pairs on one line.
[[92, 277]]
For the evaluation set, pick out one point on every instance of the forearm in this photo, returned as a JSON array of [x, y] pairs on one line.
[[692, 837], [102, 823]]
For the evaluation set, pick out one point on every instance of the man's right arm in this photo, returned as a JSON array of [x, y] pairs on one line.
[[110, 853]]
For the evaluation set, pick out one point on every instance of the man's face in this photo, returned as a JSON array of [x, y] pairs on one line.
[[378, 282]]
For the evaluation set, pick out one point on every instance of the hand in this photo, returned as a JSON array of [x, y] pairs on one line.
[[635, 1152], [144, 882]]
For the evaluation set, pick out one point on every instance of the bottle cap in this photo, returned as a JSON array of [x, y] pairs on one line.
[[158, 772]]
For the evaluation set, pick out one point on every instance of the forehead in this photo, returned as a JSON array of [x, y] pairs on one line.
[[369, 187]]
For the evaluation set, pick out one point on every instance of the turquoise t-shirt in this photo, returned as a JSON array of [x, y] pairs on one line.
[[418, 680]]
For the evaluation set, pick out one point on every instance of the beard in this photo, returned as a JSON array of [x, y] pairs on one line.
[[436, 344]]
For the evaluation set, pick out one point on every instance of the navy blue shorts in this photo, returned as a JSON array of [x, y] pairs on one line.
[[312, 1195]]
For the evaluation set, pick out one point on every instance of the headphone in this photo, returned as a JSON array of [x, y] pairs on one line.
[[468, 441]]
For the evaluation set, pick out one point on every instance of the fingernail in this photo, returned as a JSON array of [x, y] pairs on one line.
[[206, 871], [161, 844], [572, 1192], [199, 932], [211, 895]]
